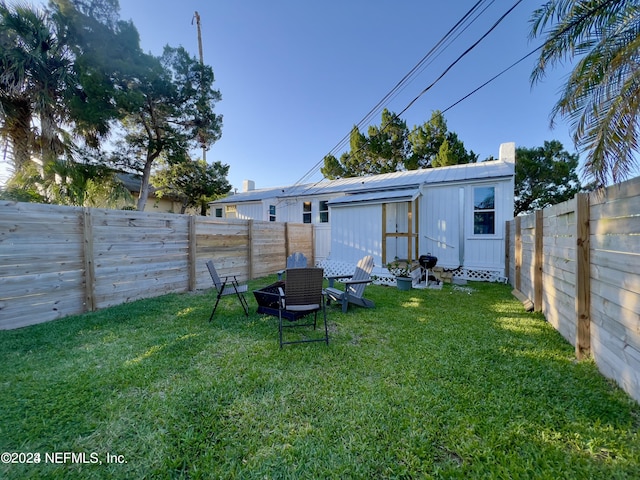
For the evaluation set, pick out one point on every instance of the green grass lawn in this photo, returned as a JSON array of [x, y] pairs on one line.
[[457, 383]]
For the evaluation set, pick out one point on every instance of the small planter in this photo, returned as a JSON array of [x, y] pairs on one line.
[[404, 283]]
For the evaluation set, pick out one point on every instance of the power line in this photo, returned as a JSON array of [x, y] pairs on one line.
[[421, 64], [569, 26], [474, 45], [419, 67], [460, 57]]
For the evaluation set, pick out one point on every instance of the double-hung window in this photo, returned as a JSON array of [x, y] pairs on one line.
[[306, 212], [231, 211], [324, 211], [484, 211], [272, 213]]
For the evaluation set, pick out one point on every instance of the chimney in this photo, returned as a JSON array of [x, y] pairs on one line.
[[248, 185], [508, 152]]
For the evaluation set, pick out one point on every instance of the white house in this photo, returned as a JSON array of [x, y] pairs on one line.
[[456, 213]]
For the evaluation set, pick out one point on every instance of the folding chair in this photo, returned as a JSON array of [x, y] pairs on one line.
[[228, 286]]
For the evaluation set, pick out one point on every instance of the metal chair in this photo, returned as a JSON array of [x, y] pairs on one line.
[[228, 286], [301, 296], [354, 287], [295, 260]]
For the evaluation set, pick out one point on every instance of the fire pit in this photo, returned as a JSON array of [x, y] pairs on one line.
[[267, 299]]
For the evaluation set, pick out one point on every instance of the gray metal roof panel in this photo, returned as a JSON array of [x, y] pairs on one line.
[[387, 196]]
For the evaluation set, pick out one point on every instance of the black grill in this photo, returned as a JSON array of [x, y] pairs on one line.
[[428, 261]]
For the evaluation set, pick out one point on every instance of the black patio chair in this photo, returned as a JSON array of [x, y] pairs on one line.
[[300, 295]]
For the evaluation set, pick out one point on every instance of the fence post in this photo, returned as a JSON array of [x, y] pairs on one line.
[[250, 252], [518, 253], [89, 262], [507, 249], [287, 246], [537, 272], [191, 253], [313, 244], [583, 287]]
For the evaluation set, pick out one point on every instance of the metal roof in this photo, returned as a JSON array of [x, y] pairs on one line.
[[382, 182], [387, 196]]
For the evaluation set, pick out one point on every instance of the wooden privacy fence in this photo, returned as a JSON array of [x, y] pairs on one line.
[[578, 263], [57, 261]]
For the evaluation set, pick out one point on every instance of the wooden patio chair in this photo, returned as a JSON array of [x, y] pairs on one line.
[[354, 287], [227, 286], [295, 260], [300, 296]]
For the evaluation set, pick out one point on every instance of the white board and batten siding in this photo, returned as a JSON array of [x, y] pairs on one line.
[[356, 232], [447, 225], [441, 227], [249, 211], [487, 252], [322, 241]]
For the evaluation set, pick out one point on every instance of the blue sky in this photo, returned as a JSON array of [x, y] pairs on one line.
[[295, 76]]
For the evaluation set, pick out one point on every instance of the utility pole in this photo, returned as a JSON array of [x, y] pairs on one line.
[[196, 15]]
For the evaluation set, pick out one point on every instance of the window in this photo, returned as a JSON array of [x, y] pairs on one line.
[[484, 211], [272, 213], [231, 211], [324, 211], [218, 213], [306, 212]]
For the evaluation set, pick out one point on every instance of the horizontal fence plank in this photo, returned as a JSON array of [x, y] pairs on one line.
[[607, 357], [622, 225], [620, 209], [47, 244], [626, 190], [625, 262], [613, 277]]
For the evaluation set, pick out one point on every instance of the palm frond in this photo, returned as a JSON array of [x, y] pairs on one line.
[[600, 98]]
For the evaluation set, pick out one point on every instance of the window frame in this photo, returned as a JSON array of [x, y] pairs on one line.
[[323, 213], [307, 212], [231, 211], [487, 212]]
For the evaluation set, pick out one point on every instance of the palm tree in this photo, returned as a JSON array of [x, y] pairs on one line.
[[36, 72], [602, 94]]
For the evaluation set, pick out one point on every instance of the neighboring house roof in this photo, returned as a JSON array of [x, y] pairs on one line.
[[132, 182], [382, 182]]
